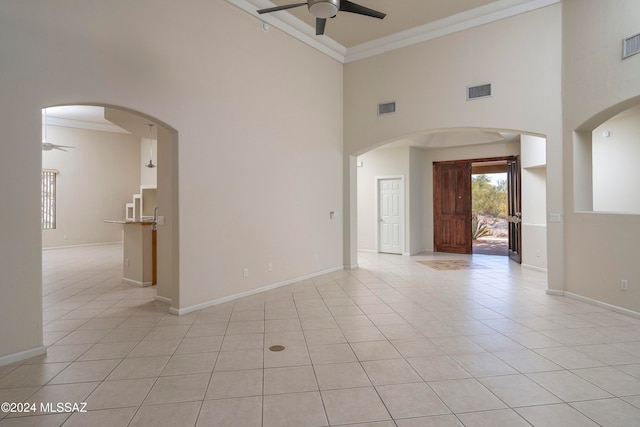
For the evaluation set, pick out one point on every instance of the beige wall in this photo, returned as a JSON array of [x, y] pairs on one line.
[[519, 55], [601, 248], [95, 180], [258, 118]]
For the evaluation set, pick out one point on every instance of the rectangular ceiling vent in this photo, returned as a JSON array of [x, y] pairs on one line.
[[480, 91], [630, 46], [387, 108]]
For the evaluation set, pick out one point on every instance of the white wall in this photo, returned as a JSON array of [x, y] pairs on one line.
[[534, 201], [380, 163], [258, 119], [95, 180], [521, 56], [601, 247], [615, 163]]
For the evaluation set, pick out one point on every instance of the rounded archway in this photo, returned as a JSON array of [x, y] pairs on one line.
[[100, 152]]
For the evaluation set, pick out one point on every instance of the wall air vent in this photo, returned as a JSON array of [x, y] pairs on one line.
[[387, 108], [480, 91], [630, 46]]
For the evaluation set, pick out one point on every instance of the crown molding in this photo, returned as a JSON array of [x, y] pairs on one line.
[[482, 15], [82, 124]]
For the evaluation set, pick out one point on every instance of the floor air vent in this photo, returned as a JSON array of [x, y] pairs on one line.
[[387, 108], [480, 91], [630, 46]]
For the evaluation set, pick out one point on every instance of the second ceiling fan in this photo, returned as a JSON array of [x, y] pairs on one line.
[[323, 9]]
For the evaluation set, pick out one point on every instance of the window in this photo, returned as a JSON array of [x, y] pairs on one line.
[[48, 211]]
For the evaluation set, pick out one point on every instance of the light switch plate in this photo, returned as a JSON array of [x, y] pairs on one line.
[[554, 217]]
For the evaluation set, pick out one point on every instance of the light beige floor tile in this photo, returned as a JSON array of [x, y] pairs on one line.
[[31, 375], [331, 353], [299, 409], [139, 367], [246, 327], [191, 363], [290, 356], [356, 405], [568, 386], [416, 347], [112, 350], [60, 353], [106, 417], [433, 421], [282, 325], [375, 350], [611, 380], [437, 368], [341, 375], [239, 316], [120, 394], [167, 415], [391, 371], [162, 333], [287, 339], [561, 415], [83, 337], [362, 333], [242, 411], [457, 345], [199, 345], [154, 348], [182, 388], [324, 336], [93, 370], [610, 412], [483, 364], [496, 418], [239, 360], [569, 358], [400, 332], [242, 342], [134, 334], [527, 361], [293, 379], [466, 395], [411, 400], [235, 384], [518, 390]]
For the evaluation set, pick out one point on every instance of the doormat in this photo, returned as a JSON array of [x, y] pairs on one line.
[[451, 264]]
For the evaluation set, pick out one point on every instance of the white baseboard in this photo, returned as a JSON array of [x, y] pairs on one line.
[[351, 267], [22, 355], [369, 251], [603, 304], [81, 246], [554, 292], [136, 283], [196, 307], [163, 299], [533, 267]]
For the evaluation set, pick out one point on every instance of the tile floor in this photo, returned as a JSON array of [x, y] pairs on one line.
[[393, 343]]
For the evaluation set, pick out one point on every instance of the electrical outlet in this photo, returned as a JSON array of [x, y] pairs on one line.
[[270, 267], [624, 284], [245, 272], [126, 262], [316, 257]]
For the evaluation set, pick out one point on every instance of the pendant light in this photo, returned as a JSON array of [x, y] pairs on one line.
[[150, 164]]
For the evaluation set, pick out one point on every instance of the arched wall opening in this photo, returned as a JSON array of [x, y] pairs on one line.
[[137, 131], [410, 159], [605, 153]]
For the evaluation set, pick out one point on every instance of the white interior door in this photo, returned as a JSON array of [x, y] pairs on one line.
[[391, 215]]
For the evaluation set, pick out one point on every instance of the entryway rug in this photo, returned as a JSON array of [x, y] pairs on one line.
[[451, 264]]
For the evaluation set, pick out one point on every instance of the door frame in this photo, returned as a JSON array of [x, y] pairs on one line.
[[377, 181], [509, 158]]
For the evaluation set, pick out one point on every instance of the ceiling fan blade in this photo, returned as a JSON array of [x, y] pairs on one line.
[[347, 6], [277, 8], [320, 24]]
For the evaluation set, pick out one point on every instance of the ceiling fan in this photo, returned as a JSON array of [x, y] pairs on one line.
[[46, 145], [323, 9]]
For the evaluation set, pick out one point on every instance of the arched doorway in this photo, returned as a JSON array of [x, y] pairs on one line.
[[90, 167], [412, 158]]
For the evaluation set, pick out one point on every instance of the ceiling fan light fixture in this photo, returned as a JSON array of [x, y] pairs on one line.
[[324, 9]]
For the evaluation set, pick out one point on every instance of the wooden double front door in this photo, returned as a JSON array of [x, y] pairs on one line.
[[452, 206]]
